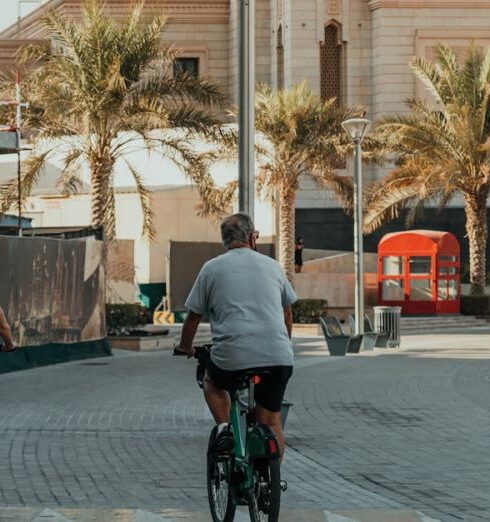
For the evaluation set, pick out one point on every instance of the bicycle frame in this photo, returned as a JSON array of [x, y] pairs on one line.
[[241, 436], [256, 441]]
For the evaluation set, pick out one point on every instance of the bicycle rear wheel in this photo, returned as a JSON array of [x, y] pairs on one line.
[[220, 495], [265, 502]]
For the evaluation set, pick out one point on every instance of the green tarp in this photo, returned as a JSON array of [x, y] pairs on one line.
[[53, 353]]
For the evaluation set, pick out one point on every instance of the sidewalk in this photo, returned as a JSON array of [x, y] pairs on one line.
[[384, 433], [69, 515]]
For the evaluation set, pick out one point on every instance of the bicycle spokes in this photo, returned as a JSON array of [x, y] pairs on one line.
[[220, 489], [265, 499], [220, 494]]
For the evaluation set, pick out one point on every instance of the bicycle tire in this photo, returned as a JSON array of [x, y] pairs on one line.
[[221, 503], [269, 470]]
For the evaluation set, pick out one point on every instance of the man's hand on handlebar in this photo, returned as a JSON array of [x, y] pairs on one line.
[[187, 351]]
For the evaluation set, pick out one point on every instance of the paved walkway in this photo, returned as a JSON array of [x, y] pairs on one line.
[[127, 515], [384, 436]]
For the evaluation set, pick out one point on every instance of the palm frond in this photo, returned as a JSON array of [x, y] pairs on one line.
[[429, 75], [386, 206], [470, 76], [145, 202], [156, 82], [342, 186], [107, 84], [216, 202], [30, 173]]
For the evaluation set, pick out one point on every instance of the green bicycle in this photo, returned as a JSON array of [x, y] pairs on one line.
[[250, 473]]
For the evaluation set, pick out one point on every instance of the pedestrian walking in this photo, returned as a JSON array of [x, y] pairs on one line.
[[6, 334], [298, 255]]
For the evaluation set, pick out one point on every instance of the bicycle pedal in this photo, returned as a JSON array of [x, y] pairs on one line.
[[284, 485]]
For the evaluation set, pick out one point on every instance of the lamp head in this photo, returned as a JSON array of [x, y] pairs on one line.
[[356, 128]]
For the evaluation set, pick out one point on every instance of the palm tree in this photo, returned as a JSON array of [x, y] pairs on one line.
[[303, 137], [442, 150], [101, 89]]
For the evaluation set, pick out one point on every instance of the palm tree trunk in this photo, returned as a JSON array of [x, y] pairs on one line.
[[287, 199], [102, 197], [476, 229]]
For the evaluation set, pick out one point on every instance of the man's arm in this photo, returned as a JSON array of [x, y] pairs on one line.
[[189, 330], [288, 319], [6, 333]]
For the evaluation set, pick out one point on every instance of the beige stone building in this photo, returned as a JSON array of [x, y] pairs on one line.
[[354, 49], [357, 50]]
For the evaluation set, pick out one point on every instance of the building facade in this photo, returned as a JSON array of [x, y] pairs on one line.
[[357, 50]]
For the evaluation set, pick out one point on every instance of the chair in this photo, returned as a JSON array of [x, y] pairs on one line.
[[372, 339], [338, 343]]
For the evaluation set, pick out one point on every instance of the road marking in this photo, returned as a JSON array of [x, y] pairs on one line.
[[48, 515]]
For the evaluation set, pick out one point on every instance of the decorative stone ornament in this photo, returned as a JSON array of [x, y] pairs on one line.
[[333, 7]]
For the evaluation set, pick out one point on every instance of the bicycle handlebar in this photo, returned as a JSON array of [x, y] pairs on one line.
[[202, 354], [200, 351]]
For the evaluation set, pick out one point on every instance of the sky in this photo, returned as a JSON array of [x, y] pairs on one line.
[[8, 11]]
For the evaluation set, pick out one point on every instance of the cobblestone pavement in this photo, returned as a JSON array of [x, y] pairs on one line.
[[127, 515], [381, 433]]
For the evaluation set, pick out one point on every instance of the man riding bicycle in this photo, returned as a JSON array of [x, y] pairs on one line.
[[248, 301]]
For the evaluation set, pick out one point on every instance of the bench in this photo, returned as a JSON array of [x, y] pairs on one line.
[[338, 343], [372, 339]]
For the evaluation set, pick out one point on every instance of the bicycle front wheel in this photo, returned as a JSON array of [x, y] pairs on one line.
[[265, 501], [221, 499]]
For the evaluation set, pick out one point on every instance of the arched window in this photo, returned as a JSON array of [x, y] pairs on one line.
[[280, 59], [331, 64]]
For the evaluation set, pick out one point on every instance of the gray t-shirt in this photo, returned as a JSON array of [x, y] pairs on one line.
[[243, 293]]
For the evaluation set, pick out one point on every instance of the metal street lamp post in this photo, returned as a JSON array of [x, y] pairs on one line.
[[246, 110], [356, 128], [18, 125]]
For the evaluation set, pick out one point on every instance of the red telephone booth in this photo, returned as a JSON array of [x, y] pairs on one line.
[[419, 270]]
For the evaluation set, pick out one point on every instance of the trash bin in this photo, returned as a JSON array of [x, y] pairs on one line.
[[387, 319], [284, 412]]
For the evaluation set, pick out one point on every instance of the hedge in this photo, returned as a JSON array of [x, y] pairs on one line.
[[475, 304], [309, 310], [122, 318]]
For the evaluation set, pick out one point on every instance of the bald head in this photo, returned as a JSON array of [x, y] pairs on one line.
[[236, 229]]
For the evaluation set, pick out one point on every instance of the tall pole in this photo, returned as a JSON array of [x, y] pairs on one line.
[[18, 124], [246, 106], [358, 243], [18, 117]]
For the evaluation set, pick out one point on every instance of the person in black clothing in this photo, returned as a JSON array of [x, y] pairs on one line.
[[298, 255]]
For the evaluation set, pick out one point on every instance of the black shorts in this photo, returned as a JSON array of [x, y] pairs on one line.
[[269, 393]]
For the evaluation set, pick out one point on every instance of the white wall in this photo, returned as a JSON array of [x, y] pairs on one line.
[[175, 219]]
